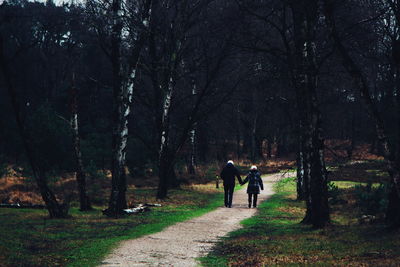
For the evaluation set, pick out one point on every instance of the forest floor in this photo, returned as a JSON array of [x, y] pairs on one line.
[[182, 243], [357, 235], [273, 236], [29, 238]]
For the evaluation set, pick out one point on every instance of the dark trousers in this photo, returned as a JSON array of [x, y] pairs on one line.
[[254, 197], [228, 189]]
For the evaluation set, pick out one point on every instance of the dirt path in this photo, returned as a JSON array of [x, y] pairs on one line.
[[180, 244]]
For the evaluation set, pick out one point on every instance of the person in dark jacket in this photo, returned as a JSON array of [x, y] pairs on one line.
[[255, 183], [228, 175]]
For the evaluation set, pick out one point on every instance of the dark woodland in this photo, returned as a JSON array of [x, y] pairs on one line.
[[159, 90]]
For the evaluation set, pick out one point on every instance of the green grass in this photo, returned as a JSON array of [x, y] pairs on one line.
[[275, 237], [29, 238]]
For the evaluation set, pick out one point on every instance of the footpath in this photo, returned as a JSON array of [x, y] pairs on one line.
[[179, 245]]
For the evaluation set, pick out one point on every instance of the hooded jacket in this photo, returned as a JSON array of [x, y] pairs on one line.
[[255, 182]]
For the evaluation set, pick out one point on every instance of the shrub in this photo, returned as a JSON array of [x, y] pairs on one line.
[[370, 199], [282, 184], [333, 193]]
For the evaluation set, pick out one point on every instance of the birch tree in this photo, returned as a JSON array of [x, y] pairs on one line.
[[179, 49], [84, 201], [193, 138], [169, 38], [124, 67]]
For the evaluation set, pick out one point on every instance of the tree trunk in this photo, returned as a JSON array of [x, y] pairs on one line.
[[202, 141], [253, 139], [193, 152], [351, 146], [80, 173], [163, 165], [269, 147], [53, 207], [123, 82], [260, 147], [192, 159], [281, 146], [117, 201], [300, 175], [163, 175], [305, 15], [238, 136], [247, 129]]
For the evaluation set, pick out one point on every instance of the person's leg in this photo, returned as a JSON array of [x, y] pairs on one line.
[[226, 195], [230, 196], [249, 200], [255, 200]]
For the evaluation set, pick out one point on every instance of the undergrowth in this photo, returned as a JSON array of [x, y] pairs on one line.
[[275, 236]]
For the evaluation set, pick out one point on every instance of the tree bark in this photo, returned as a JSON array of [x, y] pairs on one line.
[[118, 184], [202, 141], [123, 82], [164, 161], [352, 144], [253, 139], [53, 207], [300, 175], [260, 147], [192, 159], [305, 15], [238, 135], [281, 145], [80, 172], [269, 147], [193, 152]]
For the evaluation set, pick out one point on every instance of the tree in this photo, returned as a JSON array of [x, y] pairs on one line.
[[360, 82], [55, 209], [124, 74], [80, 172], [305, 18], [178, 50]]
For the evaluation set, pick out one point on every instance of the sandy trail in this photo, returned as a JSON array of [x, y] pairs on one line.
[[180, 244]]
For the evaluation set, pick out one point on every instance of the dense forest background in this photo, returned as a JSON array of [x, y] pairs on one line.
[[179, 85]]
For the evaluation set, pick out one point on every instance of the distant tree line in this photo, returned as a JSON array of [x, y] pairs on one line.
[[136, 84]]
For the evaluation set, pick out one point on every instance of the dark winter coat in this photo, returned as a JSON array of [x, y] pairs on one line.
[[255, 182], [228, 174]]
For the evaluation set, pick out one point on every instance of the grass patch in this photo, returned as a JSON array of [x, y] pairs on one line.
[[29, 238], [275, 237]]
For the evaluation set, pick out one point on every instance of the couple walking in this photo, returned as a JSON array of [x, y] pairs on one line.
[[228, 175]]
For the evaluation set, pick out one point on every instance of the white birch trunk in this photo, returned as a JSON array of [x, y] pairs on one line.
[[192, 164], [165, 118], [116, 204], [80, 172], [124, 73]]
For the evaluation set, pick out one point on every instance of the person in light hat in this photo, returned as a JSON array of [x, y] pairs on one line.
[[228, 175], [255, 183]]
